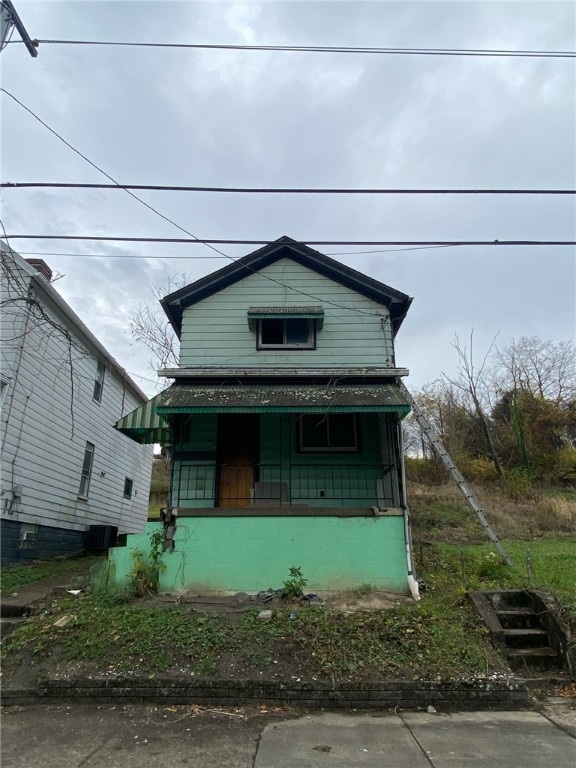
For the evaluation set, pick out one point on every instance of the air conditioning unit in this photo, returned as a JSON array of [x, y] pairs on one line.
[[100, 538]]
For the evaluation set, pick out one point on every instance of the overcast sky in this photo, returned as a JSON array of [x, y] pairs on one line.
[[237, 118]]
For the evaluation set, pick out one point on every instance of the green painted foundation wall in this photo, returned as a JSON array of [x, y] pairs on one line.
[[249, 554]]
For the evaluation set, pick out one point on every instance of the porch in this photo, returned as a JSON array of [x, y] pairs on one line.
[[253, 487], [265, 477]]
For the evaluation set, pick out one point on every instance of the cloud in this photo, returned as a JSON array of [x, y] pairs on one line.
[[288, 119]]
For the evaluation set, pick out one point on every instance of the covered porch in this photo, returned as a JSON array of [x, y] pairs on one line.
[[285, 446], [268, 476]]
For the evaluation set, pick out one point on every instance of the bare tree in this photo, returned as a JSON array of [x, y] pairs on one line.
[[149, 325], [542, 368], [472, 382]]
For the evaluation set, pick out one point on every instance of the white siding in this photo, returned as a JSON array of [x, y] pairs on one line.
[[356, 329], [48, 415]]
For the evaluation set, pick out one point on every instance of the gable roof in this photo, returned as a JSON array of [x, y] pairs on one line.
[[82, 332], [285, 247]]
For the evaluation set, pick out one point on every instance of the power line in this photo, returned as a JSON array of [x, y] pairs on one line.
[[287, 190], [100, 170], [196, 258], [391, 51], [193, 237], [166, 218], [204, 241]]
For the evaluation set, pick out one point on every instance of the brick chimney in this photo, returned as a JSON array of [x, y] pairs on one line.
[[41, 266]]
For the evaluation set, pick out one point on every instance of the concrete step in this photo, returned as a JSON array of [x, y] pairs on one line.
[[518, 618], [7, 626], [508, 599], [11, 607], [534, 659], [526, 638]]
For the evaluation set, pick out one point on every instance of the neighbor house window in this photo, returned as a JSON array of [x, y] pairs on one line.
[[86, 471], [128, 488], [3, 387], [323, 433], [99, 382], [286, 333], [28, 536]]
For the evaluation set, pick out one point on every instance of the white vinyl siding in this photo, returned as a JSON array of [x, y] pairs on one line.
[[356, 331], [49, 415]]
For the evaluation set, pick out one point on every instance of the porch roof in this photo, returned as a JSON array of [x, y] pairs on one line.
[[283, 398], [145, 424]]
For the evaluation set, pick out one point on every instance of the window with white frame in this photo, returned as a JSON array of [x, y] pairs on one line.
[[286, 333], [328, 433], [28, 536], [99, 382], [86, 471]]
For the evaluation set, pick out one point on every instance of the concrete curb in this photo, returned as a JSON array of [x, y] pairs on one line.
[[394, 694]]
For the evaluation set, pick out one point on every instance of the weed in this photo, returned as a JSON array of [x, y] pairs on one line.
[[146, 569], [295, 583]]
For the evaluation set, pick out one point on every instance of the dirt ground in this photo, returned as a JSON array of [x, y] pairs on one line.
[[272, 662]]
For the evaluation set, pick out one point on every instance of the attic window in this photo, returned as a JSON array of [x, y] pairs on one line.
[[285, 327]]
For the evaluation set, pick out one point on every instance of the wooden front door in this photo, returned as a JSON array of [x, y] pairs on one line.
[[238, 440]]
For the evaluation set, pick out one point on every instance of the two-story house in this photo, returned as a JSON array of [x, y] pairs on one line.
[[68, 478], [284, 423]]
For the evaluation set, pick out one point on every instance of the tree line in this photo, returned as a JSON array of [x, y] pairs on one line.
[[511, 416]]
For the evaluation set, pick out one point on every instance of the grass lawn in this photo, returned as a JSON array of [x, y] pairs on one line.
[[14, 577], [546, 564]]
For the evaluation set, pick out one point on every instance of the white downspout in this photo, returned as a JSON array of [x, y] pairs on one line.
[[412, 583]]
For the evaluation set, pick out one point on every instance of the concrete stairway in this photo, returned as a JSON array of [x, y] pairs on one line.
[[526, 641], [520, 625]]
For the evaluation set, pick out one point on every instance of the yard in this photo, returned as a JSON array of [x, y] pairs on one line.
[[439, 637]]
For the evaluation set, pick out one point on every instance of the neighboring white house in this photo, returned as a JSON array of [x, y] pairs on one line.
[[65, 467]]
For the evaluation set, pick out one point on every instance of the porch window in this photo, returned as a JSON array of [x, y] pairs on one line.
[[328, 433], [86, 471], [286, 333], [99, 382]]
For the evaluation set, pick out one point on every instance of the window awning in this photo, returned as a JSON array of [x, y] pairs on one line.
[[145, 424], [283, 398], [274, 313]]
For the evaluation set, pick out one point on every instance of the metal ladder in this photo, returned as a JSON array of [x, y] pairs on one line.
[[446, 459]]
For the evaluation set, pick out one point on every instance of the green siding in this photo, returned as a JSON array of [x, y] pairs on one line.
[[215, 331], [249, 554]]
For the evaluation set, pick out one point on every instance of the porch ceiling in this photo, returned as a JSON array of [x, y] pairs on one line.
[[285, 398]]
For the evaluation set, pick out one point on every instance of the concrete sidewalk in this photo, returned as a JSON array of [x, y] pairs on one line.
[[418, 740], [155, 736]]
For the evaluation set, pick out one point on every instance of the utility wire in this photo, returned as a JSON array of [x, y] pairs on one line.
[[193, 237], [204, 241], [182, 229], [102, 171], [196, 258], [392, 51], [287, 190]]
